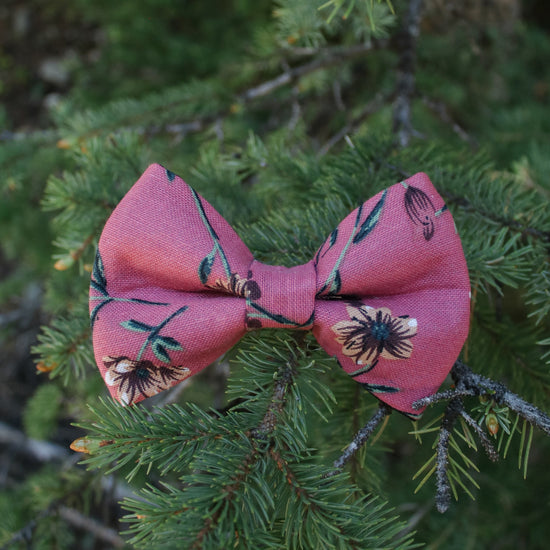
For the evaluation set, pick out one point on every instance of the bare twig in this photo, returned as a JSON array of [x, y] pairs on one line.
[[45, 451], [469, 383], [361, 437], [440, 109], [485, 441], [325, 59], [80, 521], [443, 494], [373, 106], [405, 85]]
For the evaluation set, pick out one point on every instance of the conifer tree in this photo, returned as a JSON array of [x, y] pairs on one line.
[[311, 109]]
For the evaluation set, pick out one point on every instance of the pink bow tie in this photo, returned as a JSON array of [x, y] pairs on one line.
[[174, 287]]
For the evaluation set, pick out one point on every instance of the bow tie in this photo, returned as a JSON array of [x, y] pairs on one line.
[[174, 287]]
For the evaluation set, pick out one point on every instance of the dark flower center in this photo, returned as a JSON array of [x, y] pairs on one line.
[[142, 373], [380, 331]]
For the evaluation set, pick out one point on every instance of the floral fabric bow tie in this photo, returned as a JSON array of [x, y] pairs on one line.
[[174, 287]]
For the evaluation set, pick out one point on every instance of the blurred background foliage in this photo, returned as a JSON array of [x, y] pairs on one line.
[[94, 91]]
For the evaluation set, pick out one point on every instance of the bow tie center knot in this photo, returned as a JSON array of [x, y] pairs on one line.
[[283, 297]]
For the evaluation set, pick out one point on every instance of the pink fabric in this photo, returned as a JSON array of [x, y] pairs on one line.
[[174, 287]]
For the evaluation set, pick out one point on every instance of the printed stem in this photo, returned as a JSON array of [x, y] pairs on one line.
[[213, 233], [332, 274], [265, 314], [132, 300], [157, 329]]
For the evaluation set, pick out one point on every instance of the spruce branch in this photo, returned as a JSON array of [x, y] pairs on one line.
[[468, 206], [261, 433], [405, 86], [470, 383], [514, 225], [229, 491], [360, 438]]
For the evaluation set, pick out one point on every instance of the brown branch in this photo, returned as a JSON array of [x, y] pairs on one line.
[[405, 85]]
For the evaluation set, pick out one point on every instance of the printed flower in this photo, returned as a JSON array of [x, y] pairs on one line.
[[239, 286], [420, 210], [136, 379], [373, 333]]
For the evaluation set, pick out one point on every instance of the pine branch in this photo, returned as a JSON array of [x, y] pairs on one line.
[[229, 493], [469, 383], [405, 86], [25, 534], [260, 433], [468, 206]]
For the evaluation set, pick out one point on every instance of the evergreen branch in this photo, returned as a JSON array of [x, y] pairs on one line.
[[326, 59], [229, 493], [25, 534], [405, 85], [469, 383], [277, 404], [262, 432], [515, 225], [361, 437]]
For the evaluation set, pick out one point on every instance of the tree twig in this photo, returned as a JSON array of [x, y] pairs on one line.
[[470, 383], [371, 107], [361, 437], [443, 494], [485, 441], [80, 521], [441, 110], [405, 85]]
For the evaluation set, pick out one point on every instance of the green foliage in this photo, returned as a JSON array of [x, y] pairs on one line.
[[248, 124], [253, 470], [41, 413]]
